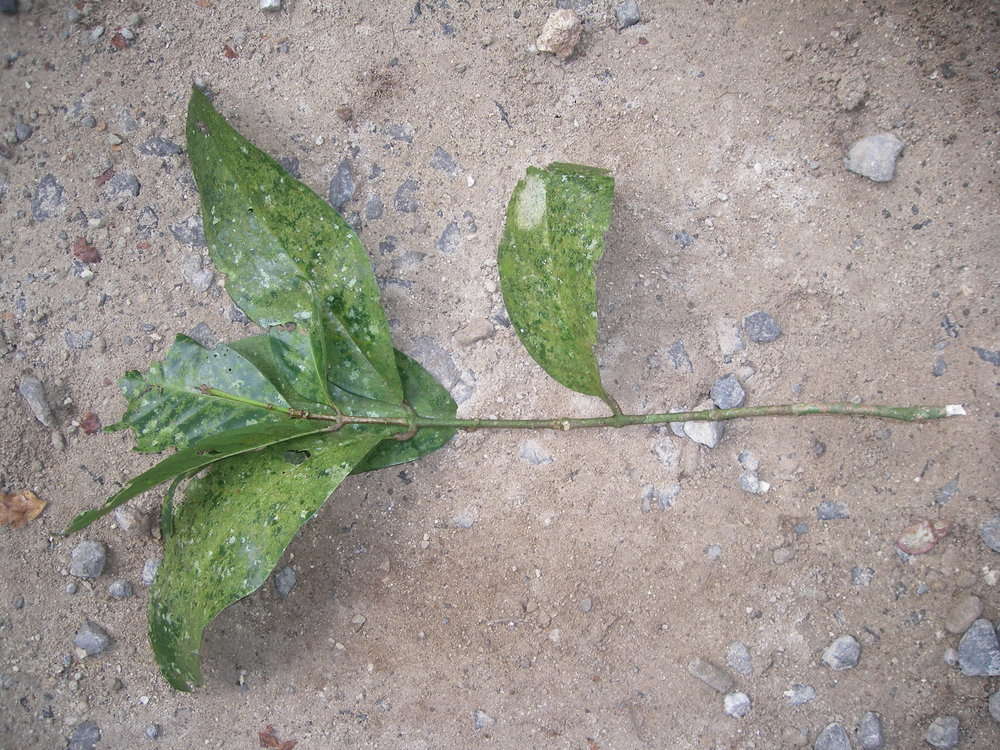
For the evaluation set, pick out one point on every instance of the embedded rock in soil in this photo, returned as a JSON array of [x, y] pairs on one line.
[[979, 650], [833, 737], [870, 733], [875, 157], [560, 34], [943, 732], [92, 638], [965, 612], [843, 653], [87, 559]]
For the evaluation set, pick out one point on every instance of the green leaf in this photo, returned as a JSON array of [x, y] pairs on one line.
[[231, 531], [166, 407], [428, 398], [552, 240], [199, 455], [288, 256]]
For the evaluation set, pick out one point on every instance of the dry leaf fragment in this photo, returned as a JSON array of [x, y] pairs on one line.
[[229, 52], [91, 423], [267, 738], [17, 508], [83, 250]]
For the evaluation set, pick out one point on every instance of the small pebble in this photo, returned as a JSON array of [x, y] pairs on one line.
[[843, 653], [715, 677], [22, 132], [374, 208], [870, 733], [92, 638], [943, 732], [270, 6], [979, 650], [875, 156], [475, 331], [450, 240], [405, 200], [627, 14], [48, 200], [87, 559], [798, 695], [727, 393], [750, 482], [85, 736], [131, 520], [189, 231], [79, 339], [761, 328], [950, 656], [122, 185], [736, 704], [738, 659], [149, 569], [153, 731], [560, 34], [783, 555], [33, 392], [990, 533], [705, 433], [482, 720], [862, 576], [120, 589], [284, 581], [586, 605], [72, 588], [342, 185], [444, 161], [833, 737], [963, 613], [157, 146], [828, 510]]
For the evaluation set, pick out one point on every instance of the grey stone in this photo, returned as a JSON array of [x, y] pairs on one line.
[[950, 656], [291, 165], [939, 367], [945, 493], [990, 533], [475, 331], [157, 146], [482, 720], [828, 510], [748, 461], [23, 131], [85, 736], [943, 732], [204, 335], [678, 356], [659, 499], [750, 482], [715, 677], [120, 589], [92, 638], [862, 576], [153, 731], [131, 520], [963, 613], [401, 132], [49, 199], [342, 184], [33, 393], [122, 185], [979, 650], [988, 355], [683, 239], [373, 208], [843, 653], [761, 328], [533, 452], [79, 339], [405, 199], [627, 14], [738, 659], [437, 361], [736, 704], [189, 231], [444, 161], [87, 559], [875, 156], [783, 555], [833, 737], [148, 220], [270, 6], [729, 337], [727, 393], [870, 734], [994, 706], [284, 581], [450, 240], [149, 569], [798, 694], [705, 433]]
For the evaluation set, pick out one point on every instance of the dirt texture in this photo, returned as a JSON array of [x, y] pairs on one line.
[[543, 590]]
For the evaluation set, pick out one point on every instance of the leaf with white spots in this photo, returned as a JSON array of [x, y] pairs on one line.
[[232, 529], [288, 256], [552, 241]]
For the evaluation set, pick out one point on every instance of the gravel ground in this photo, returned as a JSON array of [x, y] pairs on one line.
[[691, 588]]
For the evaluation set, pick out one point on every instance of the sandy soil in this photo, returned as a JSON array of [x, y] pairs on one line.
[[542, 596]]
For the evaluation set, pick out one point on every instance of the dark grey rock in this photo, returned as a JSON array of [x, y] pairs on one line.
[[683, 239], [833, 737], [828, 510], [79, 339], [342, 184], [148, 220], [405, 199], [943, 732], [122, 185], [149, 569], [87, 559], [875, 156], [33, 392], [627, 14], [761, 328], [23, 131], [736, 704], [482, 720], [945, 493], [862, 576], [120, 589], [727, 393], [236, 315], [189, 231], [715, 677], [157, 146], [49, 199], [284, 581], [291, 165], [533, 452], [994, 706], [870, 734], [987, 355], [204, 335], [153, 731], [843, 653], [979, 650], [92, 638], [373, 208], [738, 659], [990, 533], [798, 694], [444, 161], [678, 356], [939, 367], [450, 240], [85, 736]]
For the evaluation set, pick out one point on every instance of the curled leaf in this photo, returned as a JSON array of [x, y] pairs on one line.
[[17, 508]]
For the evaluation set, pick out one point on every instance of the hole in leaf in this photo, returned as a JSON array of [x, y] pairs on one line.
[[295, 457]]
